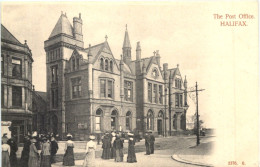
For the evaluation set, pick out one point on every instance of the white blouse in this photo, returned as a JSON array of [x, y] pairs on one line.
[[6, 147], [91, 145]]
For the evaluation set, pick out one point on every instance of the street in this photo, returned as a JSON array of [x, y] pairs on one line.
[[164, 149]]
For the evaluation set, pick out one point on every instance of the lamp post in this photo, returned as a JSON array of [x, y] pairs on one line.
[[198, 125]]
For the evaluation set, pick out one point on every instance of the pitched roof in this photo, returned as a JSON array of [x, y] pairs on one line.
[[62, 26], [126, 40], [43, 95], [95, 50], [5, 34]]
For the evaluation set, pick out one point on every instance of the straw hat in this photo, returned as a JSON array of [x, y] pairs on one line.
[[69, 135], [34, 141], [130, 134], [92, 137], [150, 131], [113, 134]]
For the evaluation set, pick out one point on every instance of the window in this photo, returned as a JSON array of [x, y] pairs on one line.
[[98, 119], [77, 61], [102, 88], [73, 64], [54, 74], [109, 89], [150, 120], [16, 68], [176, 100], [106, 65], [106, 88], [114, 118], [17, 96], [150, 92], [128, 91], [178, 83], [76, 87], [180, 100], [174, 122], [54, 98], [160, 94], [128, 121], [111, 66], [2, 95], [155, 95], [102, 64], [2, 65]]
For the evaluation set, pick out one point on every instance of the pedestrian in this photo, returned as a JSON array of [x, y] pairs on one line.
[[5, 152], [14, 148], [147, 143], [106, 145], [33, 155], [46, 155], [25, 153], [131, 157], [98, 138], [68, 159], [90, 152], [118, 145], [152, 140], [113, 151], [54, 149]]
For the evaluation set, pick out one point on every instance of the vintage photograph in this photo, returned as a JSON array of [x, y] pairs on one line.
[[129, 84]]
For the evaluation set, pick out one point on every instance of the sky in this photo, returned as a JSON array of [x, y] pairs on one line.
[[185, 33]]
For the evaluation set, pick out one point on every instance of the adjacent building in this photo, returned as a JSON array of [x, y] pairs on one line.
[[90, 91], [16, 84]]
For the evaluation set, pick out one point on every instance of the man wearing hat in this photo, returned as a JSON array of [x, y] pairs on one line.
[[106, 145], [148, 143], [152, 139]]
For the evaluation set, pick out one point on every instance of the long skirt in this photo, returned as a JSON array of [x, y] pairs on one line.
[[68, 159], [24, 158], [131, 158], [33, 162], [5, 159], [148, 149], [46, 161], [106, 153], [90, 159], [112, 153], [119, 155], [13, 159]]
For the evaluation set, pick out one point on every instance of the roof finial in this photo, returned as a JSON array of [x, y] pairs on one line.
[[80, 15], [177, 65], [106, 37], [154, 53], [25, 41], [89, 52], [126, 27]]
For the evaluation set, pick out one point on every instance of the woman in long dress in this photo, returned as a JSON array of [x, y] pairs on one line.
[[5, 153], [90, 153], [68, 159], [106, 145], [25, 153], [118, 145], [113, 150], [46, 156], [131, 158], [14, 148], [33, 155]]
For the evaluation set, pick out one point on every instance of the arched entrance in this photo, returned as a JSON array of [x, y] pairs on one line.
[[55, 124], [150, 120], [128, 121], [160, 123], [183, 122], [114, 120], [174, 123]]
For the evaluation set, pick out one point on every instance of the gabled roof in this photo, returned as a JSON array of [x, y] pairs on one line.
[[5, 34], [62, 26], [95, 50]]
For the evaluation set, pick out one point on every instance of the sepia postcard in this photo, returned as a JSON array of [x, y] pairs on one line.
[[149, 83]]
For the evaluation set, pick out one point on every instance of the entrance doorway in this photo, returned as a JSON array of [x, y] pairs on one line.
[[159, 127]]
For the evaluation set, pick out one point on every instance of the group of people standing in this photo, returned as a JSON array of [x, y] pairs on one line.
[[149, 142], [38, 151], [113, 146]]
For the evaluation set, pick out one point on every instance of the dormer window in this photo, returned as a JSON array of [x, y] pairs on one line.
[[106, 65], [111, 66], [102, 64], [155, 73]]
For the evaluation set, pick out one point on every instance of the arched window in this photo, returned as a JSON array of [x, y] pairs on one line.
[[174, 122], [128, 121], [114, 120], [150, 120], [106, 65], [160, 123], [102, 64], [111, 66], [98, 120]]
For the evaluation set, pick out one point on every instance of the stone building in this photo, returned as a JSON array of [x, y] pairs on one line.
[[16, 85], [90, 91]]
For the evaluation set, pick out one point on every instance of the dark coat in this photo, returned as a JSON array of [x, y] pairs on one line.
[[54, 147], [25, 153], [106, 147], [14, 148]]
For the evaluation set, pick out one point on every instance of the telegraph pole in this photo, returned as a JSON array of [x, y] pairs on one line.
[[198, 125]]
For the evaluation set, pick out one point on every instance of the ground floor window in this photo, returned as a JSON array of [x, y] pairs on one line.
[[114, 119], [98, 120], [150, 120], [128, 121]]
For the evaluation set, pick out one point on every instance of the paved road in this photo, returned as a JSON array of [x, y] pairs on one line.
[[165, 148]]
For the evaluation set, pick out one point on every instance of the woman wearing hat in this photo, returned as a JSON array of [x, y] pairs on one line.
[[33, 155], [46, 156], [5, 153], [131, 158], [113, 149], [90, 152], [68, 159], [118, 145]]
